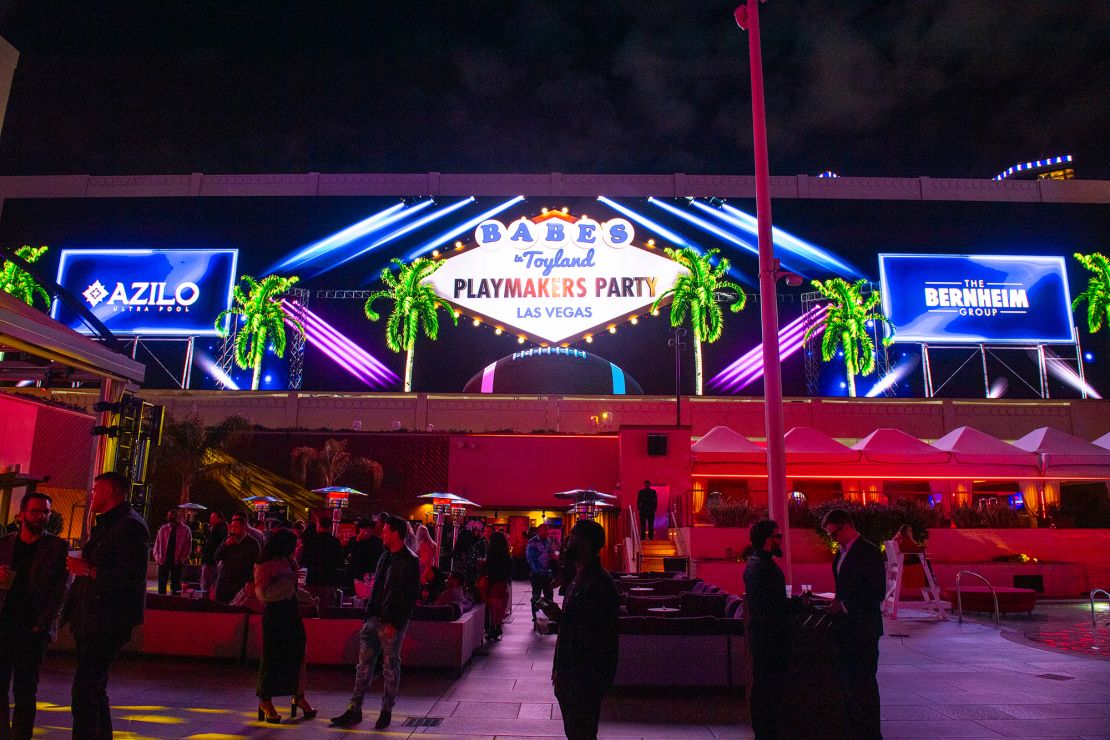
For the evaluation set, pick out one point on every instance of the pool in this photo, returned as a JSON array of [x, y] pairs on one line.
[[1060, 625]]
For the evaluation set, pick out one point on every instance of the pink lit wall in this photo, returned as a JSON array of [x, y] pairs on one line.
[[669, 473], [17, 434], [523, 471]]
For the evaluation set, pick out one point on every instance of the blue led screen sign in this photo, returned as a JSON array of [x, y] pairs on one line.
[[148, 292], [976, 299]]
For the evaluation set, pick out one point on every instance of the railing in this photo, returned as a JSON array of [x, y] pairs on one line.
[[681, 547], [959, 595], [637, 553], [1093, 594]]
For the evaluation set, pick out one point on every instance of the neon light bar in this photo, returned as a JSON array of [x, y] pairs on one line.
[[365, 360], [1066, 159], [754, 356], [645, 221], [784, 240], [337, 353], [341, 349], [417, 224], [461, 229], [348, 235]]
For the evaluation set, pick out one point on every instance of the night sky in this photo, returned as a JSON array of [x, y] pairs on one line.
[[944, 89]]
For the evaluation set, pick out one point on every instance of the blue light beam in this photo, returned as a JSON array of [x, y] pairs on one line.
[[645, 221], [783, 239], [345, 236], [461, 229]]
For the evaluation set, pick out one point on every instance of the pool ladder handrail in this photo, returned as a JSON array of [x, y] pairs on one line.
[[959, 595], [1096, 591]]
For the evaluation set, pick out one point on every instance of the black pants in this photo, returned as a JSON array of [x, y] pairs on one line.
[[581, 710], [541, 586], [95, 654], [171, 573], [647, 524], [770, 656], [21, 654], [858, 663]]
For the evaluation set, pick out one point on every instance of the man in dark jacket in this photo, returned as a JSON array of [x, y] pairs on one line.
[[860, 575], [106, 601], [364, 550], [323, 557], [769, 612], [209, 568], [32, 585], [396, 588], [647, 500], [586, 651], [236, 556]]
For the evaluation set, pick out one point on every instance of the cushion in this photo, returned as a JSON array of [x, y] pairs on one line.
[[703, 605], [734, 607], [434, 613]]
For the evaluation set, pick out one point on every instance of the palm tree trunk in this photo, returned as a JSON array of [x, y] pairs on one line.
[[697, 365], [850, 365], [186, 487], [408, 370], [257, 374]]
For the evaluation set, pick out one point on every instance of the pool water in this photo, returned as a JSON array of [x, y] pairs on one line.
[[1062, 626]]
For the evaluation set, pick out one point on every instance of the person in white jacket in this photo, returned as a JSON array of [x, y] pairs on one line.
[[172, 546]]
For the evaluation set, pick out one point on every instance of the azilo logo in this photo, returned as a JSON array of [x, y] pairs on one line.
[[144, 296]]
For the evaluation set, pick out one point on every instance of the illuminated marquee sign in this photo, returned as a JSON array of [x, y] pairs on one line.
[[976, 299], [555, 278], [148, 292]]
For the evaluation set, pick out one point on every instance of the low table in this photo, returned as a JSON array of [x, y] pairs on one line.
[[663, 611], [978, 599]]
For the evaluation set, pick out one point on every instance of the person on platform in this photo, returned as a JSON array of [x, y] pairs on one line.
[[213, 538], [106, 600], [32, 586], [586, 650], [647, 500], [282, 670], [396, 589], [769, 612], [236, 556], [542, 559], [172, 547], [860, 574], [363, 551]]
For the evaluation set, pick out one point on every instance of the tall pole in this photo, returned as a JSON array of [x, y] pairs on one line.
[[747, 16], [678, 345]]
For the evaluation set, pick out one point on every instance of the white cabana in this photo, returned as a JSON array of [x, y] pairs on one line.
[[981, 456], [722, 444]]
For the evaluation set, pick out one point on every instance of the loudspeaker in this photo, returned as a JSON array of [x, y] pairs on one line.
[[657, 445]]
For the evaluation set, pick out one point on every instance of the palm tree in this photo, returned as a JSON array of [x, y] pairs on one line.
[[1097, 293], [415, 303], [19, 282], [845, 326], [700, 292], [263, 321], [191, 450], [332, 462]]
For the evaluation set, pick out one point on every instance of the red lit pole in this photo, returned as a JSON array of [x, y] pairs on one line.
[[747, 17]]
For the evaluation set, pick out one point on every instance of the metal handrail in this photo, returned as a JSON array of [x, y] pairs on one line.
[[959, 595], [680, 543], [1093, 593], [637, 547]]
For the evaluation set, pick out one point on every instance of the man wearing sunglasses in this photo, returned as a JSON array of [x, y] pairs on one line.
[[860, 576], [769, 612]]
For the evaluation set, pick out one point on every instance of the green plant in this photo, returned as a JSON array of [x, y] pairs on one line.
[[733, 512], [20, 283], [987, 517], [845, 326], [332, 461], [188, 445], [262, 320], [415, 306], [880, 522], [696, 292], [1097, 293]]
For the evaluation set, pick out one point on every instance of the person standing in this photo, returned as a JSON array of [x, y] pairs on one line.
[[323, 557], [217, 533], [586, 650], [32, 585], [172, 547], [282, 670], [542, 557], [498, 573], [396, 588], [106, 601], [236, 556], [860, 575], [769, 612], [646, 502], [363, 551]]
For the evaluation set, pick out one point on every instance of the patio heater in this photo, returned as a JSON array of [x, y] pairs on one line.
[[261, 505], [586, 502], [442, 505], [458, 514], [337, 498], [191, 510]]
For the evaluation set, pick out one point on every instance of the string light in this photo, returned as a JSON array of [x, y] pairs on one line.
[[477, 322], [497, 331], [612, 330], [520, 340], [589, 339], [634, 321]]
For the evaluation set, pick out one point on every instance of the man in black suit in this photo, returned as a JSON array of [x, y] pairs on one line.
[[106, 601], [647, 500], [770, 617], [32, 585], [860, 575]]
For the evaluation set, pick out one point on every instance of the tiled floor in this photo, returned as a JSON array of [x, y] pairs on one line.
[[940, 680]]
